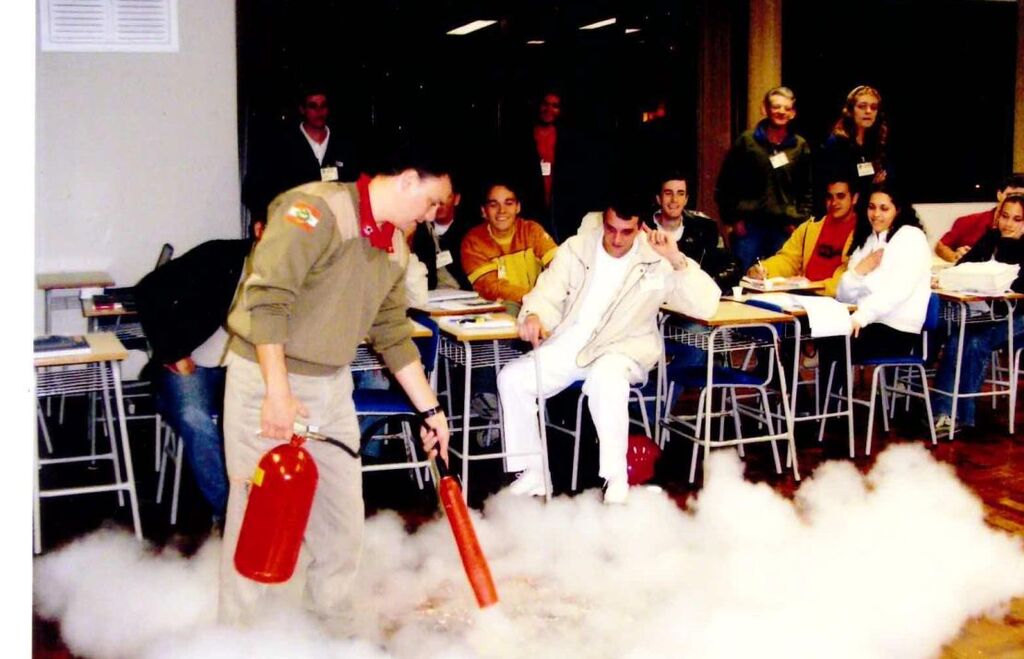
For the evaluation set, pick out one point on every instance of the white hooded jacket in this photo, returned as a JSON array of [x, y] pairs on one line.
[[629, 326]]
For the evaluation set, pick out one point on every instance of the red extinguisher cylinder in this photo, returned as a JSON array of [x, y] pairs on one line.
[[280, 499], [478, 573]]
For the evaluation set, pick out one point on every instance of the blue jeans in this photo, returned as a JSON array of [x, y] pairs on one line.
[[192, 405], [979, 342], [761, 240]]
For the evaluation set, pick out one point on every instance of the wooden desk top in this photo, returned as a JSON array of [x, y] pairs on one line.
[[105, 347], [796, 312], [89, 310], [434, 311], [957, 296], [54, 280], [420, 331], [735, 313], [466, 333], [786, 288]]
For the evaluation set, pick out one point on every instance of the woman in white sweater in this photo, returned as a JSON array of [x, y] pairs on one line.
[[888, 278]]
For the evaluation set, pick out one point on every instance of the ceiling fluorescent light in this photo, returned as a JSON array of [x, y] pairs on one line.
[[631, 30], [535, 42], [471, 27], [605, 23]]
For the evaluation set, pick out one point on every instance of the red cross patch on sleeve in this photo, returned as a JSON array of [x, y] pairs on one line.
[[303, 215]]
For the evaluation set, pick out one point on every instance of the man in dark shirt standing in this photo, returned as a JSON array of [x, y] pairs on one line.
[[299, 154], [438, 245], [764, 188]]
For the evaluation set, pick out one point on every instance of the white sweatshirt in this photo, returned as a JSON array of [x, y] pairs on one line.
[[896, 293]]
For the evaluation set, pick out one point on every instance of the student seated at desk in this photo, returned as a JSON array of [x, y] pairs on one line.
[[969, 229], [888, 277], [1003, 243], [503, 256], [817, 249], [593, 317]]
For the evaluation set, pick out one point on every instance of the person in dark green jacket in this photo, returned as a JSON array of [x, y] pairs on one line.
[[764, 187]]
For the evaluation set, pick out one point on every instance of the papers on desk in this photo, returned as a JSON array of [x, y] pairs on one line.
[[483, 321], [984, 278], [59, 346], [446, 294], [775, 283], [826, 316], [464, 304]]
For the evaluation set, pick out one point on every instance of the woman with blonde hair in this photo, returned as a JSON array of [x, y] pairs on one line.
[[856, 148]]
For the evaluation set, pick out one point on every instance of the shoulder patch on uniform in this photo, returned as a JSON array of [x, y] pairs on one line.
[[303, 215]]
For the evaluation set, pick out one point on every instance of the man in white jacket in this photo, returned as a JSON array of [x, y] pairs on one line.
[[592, 316]]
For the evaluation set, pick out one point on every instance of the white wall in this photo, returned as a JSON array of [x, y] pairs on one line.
[[134, 150]]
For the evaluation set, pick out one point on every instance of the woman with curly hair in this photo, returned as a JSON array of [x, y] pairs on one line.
[[856, 148]]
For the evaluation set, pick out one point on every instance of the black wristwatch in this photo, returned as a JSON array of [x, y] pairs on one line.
[[426, 414]]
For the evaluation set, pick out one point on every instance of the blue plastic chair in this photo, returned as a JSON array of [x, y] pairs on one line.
[[393, 402], [914, 363]]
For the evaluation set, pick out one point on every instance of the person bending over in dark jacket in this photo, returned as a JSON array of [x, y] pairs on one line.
[[183, 306]]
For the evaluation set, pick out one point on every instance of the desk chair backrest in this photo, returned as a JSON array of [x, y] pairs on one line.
[[427, 345], [166, 253]]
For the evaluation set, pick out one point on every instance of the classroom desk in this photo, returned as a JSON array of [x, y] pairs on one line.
[[48, 282], [799, 315], [437, 311], [956, 307], [96, 371], [367, 360], [719, 334], [475, 348]]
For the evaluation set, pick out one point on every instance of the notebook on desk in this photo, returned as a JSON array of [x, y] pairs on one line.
[[484, 321], [776, 283], [54, 345], [120, 298]]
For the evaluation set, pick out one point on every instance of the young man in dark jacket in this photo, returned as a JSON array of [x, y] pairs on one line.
[[183, 306], [695, 233]]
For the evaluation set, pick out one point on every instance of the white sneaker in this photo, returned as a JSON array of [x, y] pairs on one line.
[[616, 491], [529, 482], [943, 423]]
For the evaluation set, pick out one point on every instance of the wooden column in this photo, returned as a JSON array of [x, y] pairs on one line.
[[1018, 103], [714, 97], [764, 54]]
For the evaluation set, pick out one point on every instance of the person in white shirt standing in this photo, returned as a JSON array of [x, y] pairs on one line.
[[297, 153], [592, 316]]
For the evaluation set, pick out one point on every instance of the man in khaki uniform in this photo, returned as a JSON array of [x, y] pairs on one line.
[[327, 273]]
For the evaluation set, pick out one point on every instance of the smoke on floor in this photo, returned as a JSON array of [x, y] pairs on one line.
[[888, 564]]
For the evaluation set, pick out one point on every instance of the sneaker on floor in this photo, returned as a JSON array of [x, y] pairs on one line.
[[529, 482], [616, 491], [942, 423]]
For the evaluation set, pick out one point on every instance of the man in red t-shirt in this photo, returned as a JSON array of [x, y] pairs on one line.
[[968, 229]]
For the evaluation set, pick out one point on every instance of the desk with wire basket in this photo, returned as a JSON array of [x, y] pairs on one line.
[[726, 331], [97, 371], [956, 308]]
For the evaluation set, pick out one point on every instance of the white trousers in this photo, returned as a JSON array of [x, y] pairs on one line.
[[606, 383]]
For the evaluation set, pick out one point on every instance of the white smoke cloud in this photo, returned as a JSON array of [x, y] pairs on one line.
[[888, 564]]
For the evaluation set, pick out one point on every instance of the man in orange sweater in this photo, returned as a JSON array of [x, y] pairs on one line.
[[504, 255]]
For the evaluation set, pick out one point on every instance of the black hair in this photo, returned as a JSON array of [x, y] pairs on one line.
[[425, 157], [673, 174], [1014, 180], [504, 182], [905, 214], [840, 177], [626, 203], [309, 88]]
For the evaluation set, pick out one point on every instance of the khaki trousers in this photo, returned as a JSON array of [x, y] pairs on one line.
[[333, 540]]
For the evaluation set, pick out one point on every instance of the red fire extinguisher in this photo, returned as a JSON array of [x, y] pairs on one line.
[[280, 498]]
